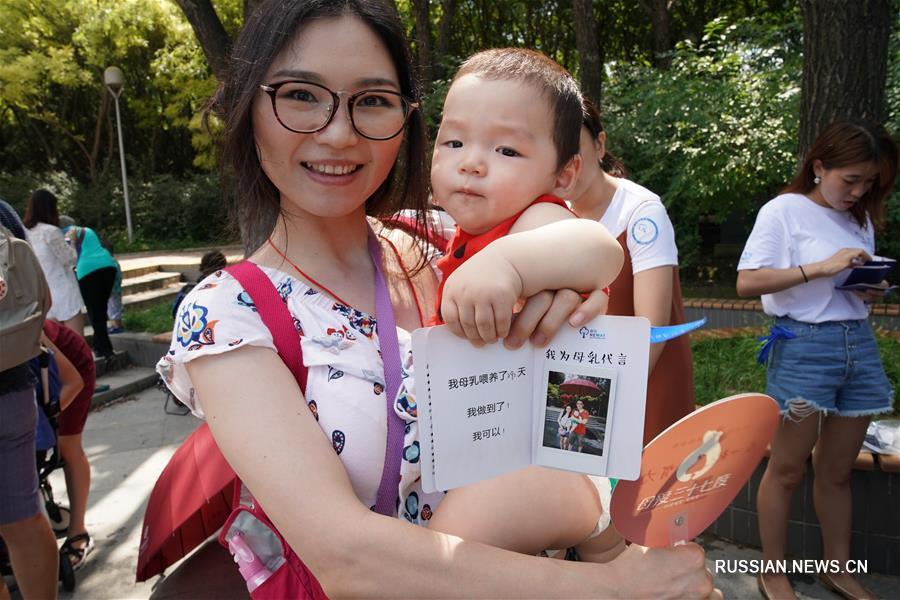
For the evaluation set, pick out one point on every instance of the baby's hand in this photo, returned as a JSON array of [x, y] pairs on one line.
[[479, 297]]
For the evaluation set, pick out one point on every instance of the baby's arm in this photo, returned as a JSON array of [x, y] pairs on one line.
[[552, 249], [548, 248]]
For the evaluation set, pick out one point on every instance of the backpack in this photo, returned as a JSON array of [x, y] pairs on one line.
[[24, 301]]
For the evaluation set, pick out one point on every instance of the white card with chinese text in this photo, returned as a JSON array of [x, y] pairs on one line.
[[488, 411]]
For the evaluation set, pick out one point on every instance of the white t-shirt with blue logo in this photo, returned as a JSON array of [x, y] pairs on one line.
[[650, 235], [792, 230]]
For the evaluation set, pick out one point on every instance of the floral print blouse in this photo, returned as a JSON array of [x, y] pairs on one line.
[[345, 384]]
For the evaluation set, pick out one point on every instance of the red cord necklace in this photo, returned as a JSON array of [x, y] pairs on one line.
[[338, 298], [305, 276]]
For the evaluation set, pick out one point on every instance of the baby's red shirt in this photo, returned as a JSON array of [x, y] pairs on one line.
[[465, 245]]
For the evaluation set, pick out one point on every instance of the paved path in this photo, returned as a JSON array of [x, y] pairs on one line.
[[129, 443]]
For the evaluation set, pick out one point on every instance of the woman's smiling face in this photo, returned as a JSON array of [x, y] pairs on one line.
[[332, 172]]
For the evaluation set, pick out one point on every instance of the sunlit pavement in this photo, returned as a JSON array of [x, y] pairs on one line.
[[129, 443]]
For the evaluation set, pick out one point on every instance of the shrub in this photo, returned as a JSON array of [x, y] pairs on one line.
[[165, 210], [715, 134]]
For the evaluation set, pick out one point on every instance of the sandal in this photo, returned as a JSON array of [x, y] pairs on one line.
[[831, 585], [70, 551]]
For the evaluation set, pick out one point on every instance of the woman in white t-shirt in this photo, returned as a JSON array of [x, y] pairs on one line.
[[648, 284], [823, 366]]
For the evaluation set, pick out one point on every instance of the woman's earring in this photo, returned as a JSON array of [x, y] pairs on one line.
[[817, 180]]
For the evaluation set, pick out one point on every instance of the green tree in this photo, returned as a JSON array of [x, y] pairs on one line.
[[845, 62], [716, 133], [54, 110]]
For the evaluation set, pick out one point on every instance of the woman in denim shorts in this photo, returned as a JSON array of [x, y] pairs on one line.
[[823, 366]]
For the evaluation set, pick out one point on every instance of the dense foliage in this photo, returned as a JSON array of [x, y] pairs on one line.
[[714, 133]]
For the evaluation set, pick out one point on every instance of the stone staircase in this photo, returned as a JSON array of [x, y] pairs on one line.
[[128, 372], [146, 285], [147, 279], [121, 376]]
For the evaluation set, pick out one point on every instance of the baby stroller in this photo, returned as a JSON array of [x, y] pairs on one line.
[[48, 459]]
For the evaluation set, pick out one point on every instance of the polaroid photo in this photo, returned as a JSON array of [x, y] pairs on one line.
[[573, 420]]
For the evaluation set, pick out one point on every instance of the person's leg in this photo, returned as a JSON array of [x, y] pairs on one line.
[[602, 548], [95, 289], [25, 530], [114, 310], [527, 511], [78, 483], [76, 468], [32, 552], [793, 442], [76, 324], [833, 459], [579, 441]]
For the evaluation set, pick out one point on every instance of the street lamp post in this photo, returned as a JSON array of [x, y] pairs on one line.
[[114, 80]]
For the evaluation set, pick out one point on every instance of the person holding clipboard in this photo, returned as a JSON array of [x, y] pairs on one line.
[[823, 365]]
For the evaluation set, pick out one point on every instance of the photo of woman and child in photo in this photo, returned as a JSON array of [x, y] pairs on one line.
[[577, 412]]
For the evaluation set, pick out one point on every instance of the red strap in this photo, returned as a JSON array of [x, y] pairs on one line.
[[273, 311]]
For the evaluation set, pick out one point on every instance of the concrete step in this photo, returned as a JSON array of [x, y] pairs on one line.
[[186, 262], [149, 281], [118, 361], [150, 297], [123, 383], [132, 269]]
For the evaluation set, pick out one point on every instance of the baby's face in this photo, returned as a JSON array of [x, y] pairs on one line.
[[494, 152]]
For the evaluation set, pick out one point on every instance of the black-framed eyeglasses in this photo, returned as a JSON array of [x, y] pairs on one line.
[[307, 107]]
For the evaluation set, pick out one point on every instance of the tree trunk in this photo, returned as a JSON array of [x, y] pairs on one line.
[[423, 43], [210, 32], [249, 6], [845, 48], [658, 11], [588, 50], [445, 32]]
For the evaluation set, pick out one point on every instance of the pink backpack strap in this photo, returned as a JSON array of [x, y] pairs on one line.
[[273, 311], [293, 579]]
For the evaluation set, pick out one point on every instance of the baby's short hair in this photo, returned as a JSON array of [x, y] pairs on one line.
[[546, 75]]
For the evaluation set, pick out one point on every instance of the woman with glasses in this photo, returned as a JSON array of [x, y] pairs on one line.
[[647, 286], [322, 134]]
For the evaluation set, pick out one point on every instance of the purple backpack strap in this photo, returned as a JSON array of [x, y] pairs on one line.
[[273, 311], [386, 500]]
